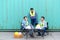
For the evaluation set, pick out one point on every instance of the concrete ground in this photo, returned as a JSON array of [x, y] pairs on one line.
[[9, 36]]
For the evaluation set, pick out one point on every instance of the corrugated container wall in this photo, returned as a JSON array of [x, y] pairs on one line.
[[12, 12]]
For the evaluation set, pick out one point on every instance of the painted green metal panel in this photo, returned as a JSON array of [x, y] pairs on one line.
[[53, 13], [12, 12]]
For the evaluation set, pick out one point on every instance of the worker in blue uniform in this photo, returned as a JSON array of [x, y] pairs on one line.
[[33, 17]]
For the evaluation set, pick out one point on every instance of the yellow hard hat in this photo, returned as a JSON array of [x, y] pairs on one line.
[[16, 33]]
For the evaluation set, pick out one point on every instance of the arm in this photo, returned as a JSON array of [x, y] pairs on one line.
[[23, 24], [45, 24]]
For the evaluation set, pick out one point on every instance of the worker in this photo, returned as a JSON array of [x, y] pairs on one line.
[[33, 17]]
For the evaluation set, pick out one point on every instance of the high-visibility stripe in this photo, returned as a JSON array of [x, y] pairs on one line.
[[26, 23], [32, 14]]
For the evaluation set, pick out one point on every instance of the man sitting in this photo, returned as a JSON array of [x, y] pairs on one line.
[[26, 25], [42, 26]]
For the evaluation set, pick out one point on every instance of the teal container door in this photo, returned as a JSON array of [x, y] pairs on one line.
[[53, 14], [13, 11], [3, 14], [10, 14]]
